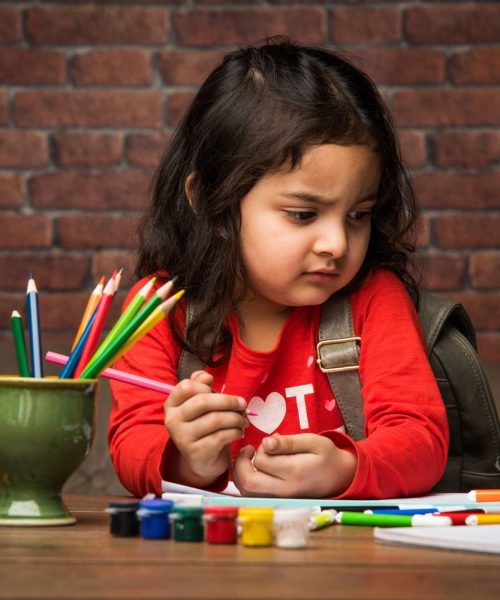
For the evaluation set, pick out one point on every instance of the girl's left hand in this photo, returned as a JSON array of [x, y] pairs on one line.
[[305, 465]]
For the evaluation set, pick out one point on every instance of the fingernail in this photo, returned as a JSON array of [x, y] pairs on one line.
[[242, 403], [270, 443]]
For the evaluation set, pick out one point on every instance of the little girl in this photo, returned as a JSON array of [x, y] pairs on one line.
[[282, 186]]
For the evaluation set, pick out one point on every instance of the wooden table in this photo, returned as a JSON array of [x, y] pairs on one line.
[[85, 561]]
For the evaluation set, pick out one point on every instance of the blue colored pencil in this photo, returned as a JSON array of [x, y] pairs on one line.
[[35, 341], [76, 354]]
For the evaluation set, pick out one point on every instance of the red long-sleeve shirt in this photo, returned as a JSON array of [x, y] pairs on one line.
[[404, 452]]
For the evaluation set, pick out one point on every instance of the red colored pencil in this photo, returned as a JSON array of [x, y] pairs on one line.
[[95, 332]]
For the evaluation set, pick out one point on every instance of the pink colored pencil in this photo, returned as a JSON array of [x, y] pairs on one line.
[[123, 376]]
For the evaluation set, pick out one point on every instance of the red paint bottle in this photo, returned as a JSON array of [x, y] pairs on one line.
[[220, 524]]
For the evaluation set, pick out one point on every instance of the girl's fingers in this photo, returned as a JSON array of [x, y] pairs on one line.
[[185, 390], [252, 482], [204, 403], [211, 423]]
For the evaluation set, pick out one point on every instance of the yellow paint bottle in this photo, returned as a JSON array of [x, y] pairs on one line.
[[256, 525]]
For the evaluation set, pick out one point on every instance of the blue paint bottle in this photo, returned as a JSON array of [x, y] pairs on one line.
[[154, 518]]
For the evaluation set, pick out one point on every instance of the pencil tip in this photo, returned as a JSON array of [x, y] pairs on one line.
[[174, 279]]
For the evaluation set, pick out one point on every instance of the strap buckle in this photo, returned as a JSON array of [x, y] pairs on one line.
[[347, 367]]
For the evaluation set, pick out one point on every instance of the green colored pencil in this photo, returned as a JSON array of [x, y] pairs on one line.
[[125, 318], [20, 344], [126, 331]]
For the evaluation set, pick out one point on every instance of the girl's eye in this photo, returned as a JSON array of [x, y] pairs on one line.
[[359, 215], [300, 215]]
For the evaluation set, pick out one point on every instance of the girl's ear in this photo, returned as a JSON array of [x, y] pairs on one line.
[[189, 189]]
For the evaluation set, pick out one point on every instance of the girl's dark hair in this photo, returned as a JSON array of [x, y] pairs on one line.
[[261, 109]]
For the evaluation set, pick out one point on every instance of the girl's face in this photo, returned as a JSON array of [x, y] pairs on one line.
[[304, 233]]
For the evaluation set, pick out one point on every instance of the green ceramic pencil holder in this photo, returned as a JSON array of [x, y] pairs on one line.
[[46, 430]]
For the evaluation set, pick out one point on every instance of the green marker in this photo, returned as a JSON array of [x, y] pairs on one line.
[[125, 318], [97, 363], [374, 520], [20, 344]]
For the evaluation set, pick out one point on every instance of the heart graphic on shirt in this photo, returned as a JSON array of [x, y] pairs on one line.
[[270, 412], [330, 404]]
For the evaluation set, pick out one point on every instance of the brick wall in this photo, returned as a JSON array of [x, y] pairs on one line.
[[91, 91]]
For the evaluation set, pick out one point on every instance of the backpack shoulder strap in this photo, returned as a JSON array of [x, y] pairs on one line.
[[338, 357], [434, 312]]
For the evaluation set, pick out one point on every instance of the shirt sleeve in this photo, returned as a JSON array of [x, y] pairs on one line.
[[406, 445], [136, 434]]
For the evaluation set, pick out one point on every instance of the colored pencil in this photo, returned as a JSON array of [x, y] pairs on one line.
[[137, 320], [115, 350], [118, 375], [76, 354], [117, 277], [127, 315], [484, 495], [20, 344], [92, 303], [35, 340], [93, 336], [124, 377]]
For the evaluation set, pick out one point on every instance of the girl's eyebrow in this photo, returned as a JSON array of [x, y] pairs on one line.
[[317, 199]]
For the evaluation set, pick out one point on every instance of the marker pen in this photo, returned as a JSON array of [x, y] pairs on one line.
[[350, 518]]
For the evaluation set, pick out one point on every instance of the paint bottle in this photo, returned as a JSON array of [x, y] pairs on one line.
[[256, 525], [220, 524], [153, 515], [187, 525], [291, 527], [123, 518]]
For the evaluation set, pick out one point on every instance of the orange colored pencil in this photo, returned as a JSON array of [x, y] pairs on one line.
[[92, 303], [95, 332]]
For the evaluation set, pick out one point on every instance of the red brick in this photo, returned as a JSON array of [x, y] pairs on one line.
[[400, 65], [178, 103], [413, 148], [26, 231], [447, 189], [424, 232], [85, 25], [98, 108], [105, 261], [453, 23], [477, 65], [482, 308], [52, 271], [187, 68], [112, 67], [10, 25], [466, 148], [207, 27], [467, 230], [60, 311], [27, 66], [88, 149], [414, 108], [97, 231], [11, 190], [23, 149], [444, 271], [103, 191], [352, 25], [146, 149], [4, 108], [489, 347], [485, 269]]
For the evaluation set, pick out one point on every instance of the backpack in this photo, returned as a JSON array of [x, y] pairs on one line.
[[474, 451]]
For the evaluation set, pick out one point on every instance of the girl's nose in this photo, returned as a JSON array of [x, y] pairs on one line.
[[333, 241]]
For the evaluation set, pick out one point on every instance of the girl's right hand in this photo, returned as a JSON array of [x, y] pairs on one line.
[[202, 424]]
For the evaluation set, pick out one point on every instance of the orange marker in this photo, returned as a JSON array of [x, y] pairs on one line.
[[484, 495], [92, 303]]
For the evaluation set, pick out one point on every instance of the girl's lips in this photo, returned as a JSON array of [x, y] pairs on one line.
[[321, 275]]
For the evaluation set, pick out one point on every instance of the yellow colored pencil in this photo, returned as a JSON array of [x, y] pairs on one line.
[[92, 302], [490, 519]]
